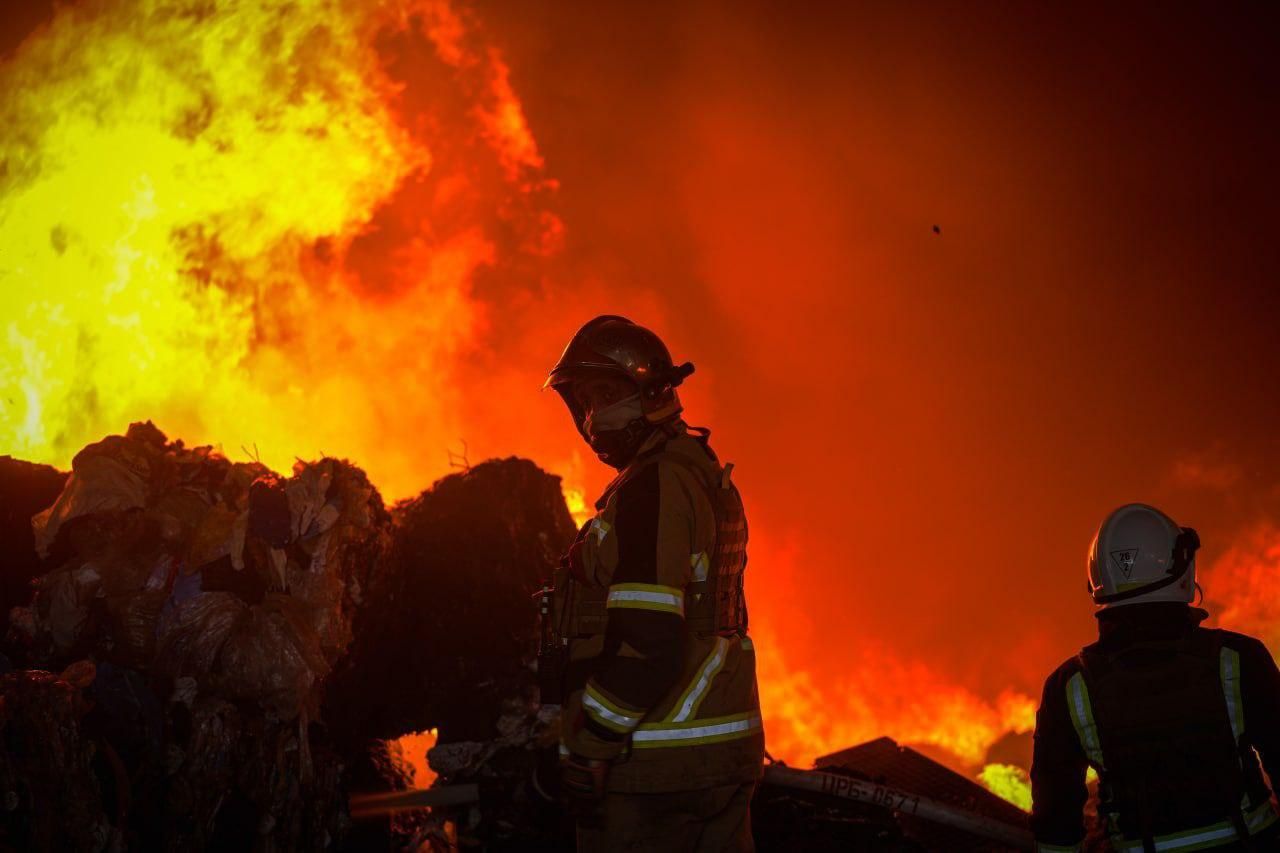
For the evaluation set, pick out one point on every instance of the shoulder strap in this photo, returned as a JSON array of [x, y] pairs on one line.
[[1080, 709]]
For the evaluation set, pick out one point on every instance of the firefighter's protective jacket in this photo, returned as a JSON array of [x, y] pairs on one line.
[[1173, 717], [666, 696]]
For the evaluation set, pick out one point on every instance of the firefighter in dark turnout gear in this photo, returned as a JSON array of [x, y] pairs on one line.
[[1177, 720], [661, 743]]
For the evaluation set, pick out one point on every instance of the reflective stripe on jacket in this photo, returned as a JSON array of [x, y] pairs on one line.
[[1068, 739], [674, 710]]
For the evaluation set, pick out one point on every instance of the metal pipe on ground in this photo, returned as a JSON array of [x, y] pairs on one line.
[[810, 781], [850, 788], [390, 802]]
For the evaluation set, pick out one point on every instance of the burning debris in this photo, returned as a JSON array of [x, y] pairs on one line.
[[52, 797], [235, 647], [456, 616], [201, 604]]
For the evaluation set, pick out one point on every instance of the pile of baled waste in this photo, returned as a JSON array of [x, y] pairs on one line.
[[203, 654]]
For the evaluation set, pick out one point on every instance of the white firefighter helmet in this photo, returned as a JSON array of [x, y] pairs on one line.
[[1140, 555]]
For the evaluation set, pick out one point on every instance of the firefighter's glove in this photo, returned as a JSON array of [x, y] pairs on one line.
[[582, 782]]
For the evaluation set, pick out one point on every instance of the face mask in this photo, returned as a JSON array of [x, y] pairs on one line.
[[614, 417]]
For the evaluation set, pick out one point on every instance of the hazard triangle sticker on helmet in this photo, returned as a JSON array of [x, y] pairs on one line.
[[1124, 560]]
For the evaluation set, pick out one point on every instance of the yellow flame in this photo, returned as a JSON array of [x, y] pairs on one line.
[[179, 187], [576, 500], [1008, 782]]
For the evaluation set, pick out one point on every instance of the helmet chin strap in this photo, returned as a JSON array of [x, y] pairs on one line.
[[617, 447], [616, 432], [1184, 551]]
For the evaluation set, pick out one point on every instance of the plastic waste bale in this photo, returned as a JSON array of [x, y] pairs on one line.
[[339, 533], [453, 608], [109, 476], [272, 656], [49, 792], [231, 596], [243, 781], [174, 560], [215, 596], [25, 489], [96, 599]]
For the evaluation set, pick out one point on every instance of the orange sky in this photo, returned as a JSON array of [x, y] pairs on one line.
[[933, 425]]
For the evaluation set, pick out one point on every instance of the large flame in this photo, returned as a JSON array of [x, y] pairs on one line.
[[233, 218], [883, 696], [267, 225]]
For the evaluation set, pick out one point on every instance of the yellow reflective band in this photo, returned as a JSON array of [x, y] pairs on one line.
[[1041, 847], [607, 713], [1082, 718], [1229, 670], [1193, 839], [1204, 837], [600, 528], [646, 596], [713, 730], [747, 645], [613, 705], [699, 563], [687, 705], [1261, 817]]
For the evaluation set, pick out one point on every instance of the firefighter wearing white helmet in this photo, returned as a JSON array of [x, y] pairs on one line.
[[1177, 720], [1141, 555]]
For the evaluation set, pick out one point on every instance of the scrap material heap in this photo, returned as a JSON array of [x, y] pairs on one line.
[[201, 654], [195, 606]]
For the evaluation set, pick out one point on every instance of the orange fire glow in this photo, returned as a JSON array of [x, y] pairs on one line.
[[885, 696], [1242, 587], [409, 753]]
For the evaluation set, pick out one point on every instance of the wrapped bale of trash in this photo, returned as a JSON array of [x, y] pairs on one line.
[[175, 561], [215, 602], [214, 598], [25, 489], [448, 642], [448, 638], [49, 771]]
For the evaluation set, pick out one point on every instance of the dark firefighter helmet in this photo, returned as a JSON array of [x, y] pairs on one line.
[[616, 346]]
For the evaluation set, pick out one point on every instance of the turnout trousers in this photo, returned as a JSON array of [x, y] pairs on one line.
[[709, 820]]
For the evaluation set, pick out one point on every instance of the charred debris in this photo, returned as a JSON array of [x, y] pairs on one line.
[[206, 655]]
